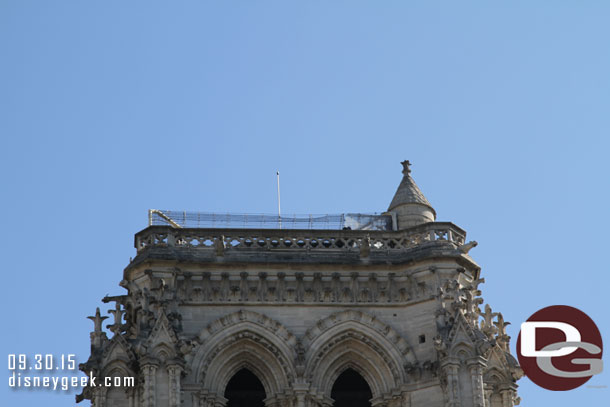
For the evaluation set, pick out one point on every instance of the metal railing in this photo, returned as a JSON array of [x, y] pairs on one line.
[[352, 221]]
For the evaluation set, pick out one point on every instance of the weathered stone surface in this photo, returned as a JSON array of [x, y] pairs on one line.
[[298, 307]]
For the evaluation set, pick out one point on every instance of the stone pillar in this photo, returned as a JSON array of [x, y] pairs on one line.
[[174, 371], [508, 396], [476, 375], [450, 369], [150, 384], [99, 397], [489, 391], [201, 401], [244, 288], [300, 399], [132, 397], [280, 286]]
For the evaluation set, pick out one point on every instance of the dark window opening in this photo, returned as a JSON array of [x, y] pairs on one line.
[[245, 390], [422, 338], [351, 390]]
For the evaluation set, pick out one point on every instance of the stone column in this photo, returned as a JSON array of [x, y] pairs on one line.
[[489, 391], [476, 366], [300, 399], [150, 379], [261, 290], [132, 397], [508, 396], [244, 287], [99, 397], [280, 286], [174, 371], [405, 399], [201, 400], [451, 369]]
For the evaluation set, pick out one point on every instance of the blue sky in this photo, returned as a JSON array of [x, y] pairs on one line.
[[110, 108]]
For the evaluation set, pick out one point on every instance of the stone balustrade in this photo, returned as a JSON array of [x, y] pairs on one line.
[[298, 240]]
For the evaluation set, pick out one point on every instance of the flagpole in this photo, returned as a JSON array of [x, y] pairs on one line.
[[279, 213]]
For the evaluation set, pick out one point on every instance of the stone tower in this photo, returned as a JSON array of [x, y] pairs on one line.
[[371, 310]]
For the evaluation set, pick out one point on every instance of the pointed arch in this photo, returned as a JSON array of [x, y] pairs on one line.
[[463, 350], [494, 376], [162, 340], [249, 340], [498, 367], [358, 341], [244, 388], [350, 389], [118, 358]]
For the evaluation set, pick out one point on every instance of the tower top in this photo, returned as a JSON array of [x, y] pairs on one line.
[[409, 203]]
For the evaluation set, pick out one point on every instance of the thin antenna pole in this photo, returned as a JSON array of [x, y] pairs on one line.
[[279, 212]]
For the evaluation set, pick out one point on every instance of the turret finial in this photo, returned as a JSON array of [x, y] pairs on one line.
[[406, 164]]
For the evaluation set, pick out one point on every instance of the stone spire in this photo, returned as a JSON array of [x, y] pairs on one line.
[[410, 205]]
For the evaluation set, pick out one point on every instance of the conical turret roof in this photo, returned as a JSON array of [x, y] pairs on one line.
[[408, 192]]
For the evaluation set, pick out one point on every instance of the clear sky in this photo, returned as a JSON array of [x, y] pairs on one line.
[[108, 108]]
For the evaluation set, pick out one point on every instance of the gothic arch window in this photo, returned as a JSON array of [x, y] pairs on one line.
[[245, 390], [351, 390]]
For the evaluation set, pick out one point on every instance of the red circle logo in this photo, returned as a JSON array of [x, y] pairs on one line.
[[560, 348]]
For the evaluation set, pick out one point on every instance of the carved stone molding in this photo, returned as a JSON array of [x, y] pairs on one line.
[[301, 288]]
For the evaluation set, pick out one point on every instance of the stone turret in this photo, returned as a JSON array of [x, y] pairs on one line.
[[409, 204]]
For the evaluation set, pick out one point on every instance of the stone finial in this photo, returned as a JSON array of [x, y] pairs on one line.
[[501, 324], [97, 336], [406, 167], [97, 321], [487, 325], [502, 339], [117, 313]]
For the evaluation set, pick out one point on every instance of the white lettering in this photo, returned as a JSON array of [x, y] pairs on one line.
[[528, 338]]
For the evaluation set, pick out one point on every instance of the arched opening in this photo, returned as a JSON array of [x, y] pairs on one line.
[[351, 390], [245, 390]]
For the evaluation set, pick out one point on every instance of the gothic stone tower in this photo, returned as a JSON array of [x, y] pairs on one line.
[[385, 313]]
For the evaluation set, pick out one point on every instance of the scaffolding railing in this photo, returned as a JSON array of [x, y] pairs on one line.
[[350, 221]]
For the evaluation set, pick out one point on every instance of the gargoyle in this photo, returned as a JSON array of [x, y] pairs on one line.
[[465, 248]]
